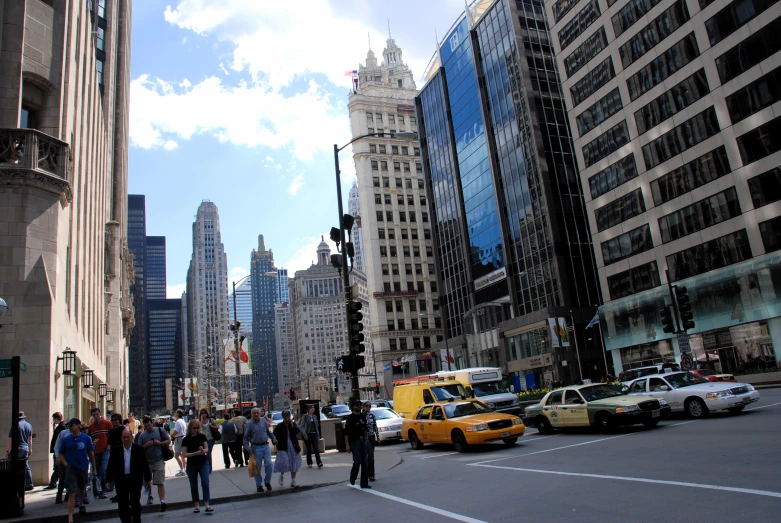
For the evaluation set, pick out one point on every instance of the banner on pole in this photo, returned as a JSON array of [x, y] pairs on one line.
[[230, 357]]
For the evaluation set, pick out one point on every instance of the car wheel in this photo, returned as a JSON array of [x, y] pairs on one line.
[[510, 441], [414, 442], [459, 441], [650, 424], [735, 410], [696, 408], [605, 422], [543, 425]]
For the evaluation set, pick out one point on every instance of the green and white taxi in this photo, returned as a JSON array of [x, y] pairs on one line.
[[593, 405]]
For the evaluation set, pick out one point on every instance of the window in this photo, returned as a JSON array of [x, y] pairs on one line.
[[412, 217], [388, 303], [404, 234], [676, 140], [378, 117], [401, 119], [680, 96], [609, 105], [410, 200], [28, 118], [381, 234], [765, 188], [422, 201], [391, 119], [771, 234], [387, 199], [372, 148], [369, 117], [408, 183], [606, 143], [562, 7], [384, 165], [755, 96], [715, 254], [385, 270], [592, 81], [613, 176], [379, 216], [406, 251], [394, 149], [385, 181], [413, 120], [406, 170], [627, 244], [585, 52], [426, 234], [620, 210], [391, 234], [399, 306], [378, 199], [636, 279], [700, 215], [631, 13], [418, 269], [733, 17], [414, 234], [696, 173], [760, 142], [383, 250], [648, 37], [402, 216], [392, 342], [578, 24], [389, 215], [416, 251], [398, 180], [750, 52], [393, 251], [395, 269], [376, 181], [382, 150], [416, 151], [661, 67], [405, 151]]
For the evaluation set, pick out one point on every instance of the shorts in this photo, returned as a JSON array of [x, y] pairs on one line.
[[158, 472], [178, 445], [75, 480]]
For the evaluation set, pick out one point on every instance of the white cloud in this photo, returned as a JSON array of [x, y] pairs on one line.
[[298, 182], [305, 253], [174, 292], [170, 145], [237, 273]]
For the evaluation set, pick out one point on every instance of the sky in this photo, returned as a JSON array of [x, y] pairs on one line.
[[240, 102]]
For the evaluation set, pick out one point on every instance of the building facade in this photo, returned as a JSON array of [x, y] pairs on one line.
[[284, 346], [207, 305], [283, 295], [65, 269], [672, 105], [265, 290], [155, 280], [164, 342], [354, 208], [518, 281], [137, 352], [395, 227]]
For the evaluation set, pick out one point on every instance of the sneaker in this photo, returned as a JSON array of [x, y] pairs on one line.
[[28, 489], [180, 474], [50, 486], [282, 479], [150, 500], [82, 509], [163, 506], [260, 489], [115, 499], [101, 496], [319, 465], [372, 479], [293, 484], [366, 486], [268, 486], [309, 465]]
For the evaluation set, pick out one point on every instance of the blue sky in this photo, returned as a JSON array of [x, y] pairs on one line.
[[240, 102]]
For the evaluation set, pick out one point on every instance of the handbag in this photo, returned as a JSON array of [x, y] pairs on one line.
[[252, 466], [216, 436], [167, 451]]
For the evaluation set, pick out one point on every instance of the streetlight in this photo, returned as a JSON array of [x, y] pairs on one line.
[[89, 377], [236, 343], [356, 392], [447, 349]]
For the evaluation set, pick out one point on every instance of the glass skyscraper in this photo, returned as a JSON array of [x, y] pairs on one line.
[[265, 292]]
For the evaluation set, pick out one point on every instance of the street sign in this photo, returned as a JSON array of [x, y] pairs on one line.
[[683, 343], [687, 362], [5, 368]]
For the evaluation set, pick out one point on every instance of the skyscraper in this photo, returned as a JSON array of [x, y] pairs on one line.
[[137, 351], [65, 265], [514, 248], [164, 341], [207, 308], [264, 293], [671, 104], [283, 295], [354, 208], [154, 262], [244, 309], [397, 251], [284, 346]]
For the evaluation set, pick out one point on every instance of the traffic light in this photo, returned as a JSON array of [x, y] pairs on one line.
[[356, 328], [377, 387], [344, 364], [666, 314], [292, 393], [684, 308], [358, 362]]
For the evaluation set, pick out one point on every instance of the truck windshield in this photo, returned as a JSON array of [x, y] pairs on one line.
[[489, 389], [446, 392]]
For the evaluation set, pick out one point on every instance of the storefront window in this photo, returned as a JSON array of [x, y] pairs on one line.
[[742, 349]]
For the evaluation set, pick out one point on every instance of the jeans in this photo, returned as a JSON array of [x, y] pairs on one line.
[[193, 471], [312, 445], [101, 460], [358, 448], [210, 443], [241, 453], [370, 457], [262, 454], [28, 472]]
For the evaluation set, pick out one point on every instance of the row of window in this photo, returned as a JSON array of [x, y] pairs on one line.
[[700, 215], [620, 210], [611, 140], [673, 101], [715, 254], [733, 17], [388, 215], [405, 251], [393, 269], [593, 45], [678, 139], [386, 182], [562, 7], [379, 199], [755, 96], [627, 244], [660, 28], [579, 23], [397, 166], [749, 52], [592, 81], [377, 117], [760, 142], [413, 234], [765, 188], [395, 149], [411, 286], [633, 11], [636, 279], [661, 67], [696, 173], [402, 346], [612, 176], [603, 109], [398, 305]]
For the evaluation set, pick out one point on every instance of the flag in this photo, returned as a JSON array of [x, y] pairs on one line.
[[397, 362], [386, 367], [410, 357], [594, 320], [351, 74], [428, 356]]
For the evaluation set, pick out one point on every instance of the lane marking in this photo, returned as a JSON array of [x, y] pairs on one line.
[[446, 513], [767, 493], [764, 406], [440, 455]]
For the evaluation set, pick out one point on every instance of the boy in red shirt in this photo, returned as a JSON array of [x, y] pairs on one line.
[[99, 430]]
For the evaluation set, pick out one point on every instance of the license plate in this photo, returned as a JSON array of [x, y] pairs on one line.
[[506, 434], [746, 400], [656, 414]]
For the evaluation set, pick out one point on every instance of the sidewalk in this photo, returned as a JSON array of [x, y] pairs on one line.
[[225, 486]]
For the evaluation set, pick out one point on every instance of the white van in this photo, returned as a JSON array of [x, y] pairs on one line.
[[488, 385]]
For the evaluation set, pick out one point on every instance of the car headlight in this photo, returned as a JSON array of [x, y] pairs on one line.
[[515, 402], [517, 421], [663, 403], [383, 429], [716, 395], [477, 428], [491, 406], [628, 408]]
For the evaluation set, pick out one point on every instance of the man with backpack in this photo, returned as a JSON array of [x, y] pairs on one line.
[[153, 439]]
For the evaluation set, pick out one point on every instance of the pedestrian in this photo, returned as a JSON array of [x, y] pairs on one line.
[[25, 448], [115, 440], [372, 438], [98, 431], [134, 425], [76, 454], [128, 470], [256, 436], [228, 431], [196, 449], [59, 426], [61, 470], [310, 429], [355, 434], [180, 430], [208, 427], [288, 450], [242, 456], [152, 439]]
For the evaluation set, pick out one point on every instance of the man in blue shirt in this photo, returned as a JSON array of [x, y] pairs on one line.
[[256, 436], [76, 453], [25, 449]]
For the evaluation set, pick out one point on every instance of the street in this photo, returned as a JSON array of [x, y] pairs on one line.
[[723, 468]]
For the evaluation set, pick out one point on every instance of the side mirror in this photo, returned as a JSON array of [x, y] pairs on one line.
[[624, 390], [664, 387]]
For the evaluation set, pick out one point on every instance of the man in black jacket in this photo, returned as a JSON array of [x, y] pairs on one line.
[[129, 470], [59, 426]]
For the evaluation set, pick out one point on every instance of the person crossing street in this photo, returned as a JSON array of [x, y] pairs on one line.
[[373, 437], [256, 437], [128, 470], [310, 429]]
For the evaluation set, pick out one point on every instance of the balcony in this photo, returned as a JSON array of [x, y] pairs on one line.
[[34, 159]]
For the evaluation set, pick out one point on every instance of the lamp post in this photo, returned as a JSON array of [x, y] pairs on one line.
[[356, 393], [236, 343]]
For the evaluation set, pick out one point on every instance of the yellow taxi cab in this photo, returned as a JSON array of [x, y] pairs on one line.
[[462, 423]]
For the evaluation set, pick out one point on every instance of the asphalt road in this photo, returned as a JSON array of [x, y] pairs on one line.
[[726, 468]]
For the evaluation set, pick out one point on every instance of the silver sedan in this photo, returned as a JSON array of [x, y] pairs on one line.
[[389, 424]]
